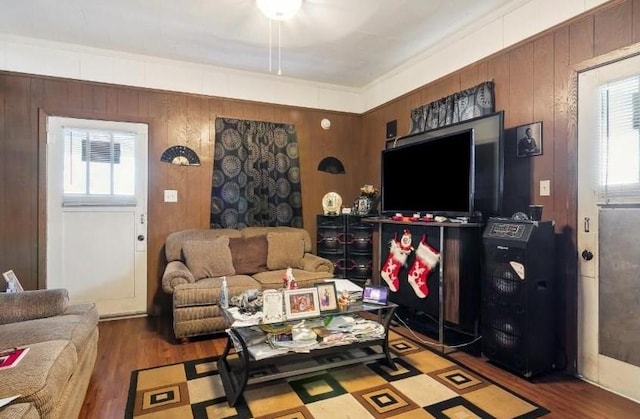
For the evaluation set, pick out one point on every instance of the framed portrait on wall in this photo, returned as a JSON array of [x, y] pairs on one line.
[[529, 139], [301, 303]]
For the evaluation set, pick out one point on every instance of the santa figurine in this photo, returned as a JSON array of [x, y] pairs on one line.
[[343, 300], [288, 281]]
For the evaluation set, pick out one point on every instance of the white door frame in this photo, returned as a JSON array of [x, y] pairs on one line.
[[612, 374], [127, 298]]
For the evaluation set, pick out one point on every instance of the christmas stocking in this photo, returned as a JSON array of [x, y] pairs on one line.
[[399, 250], [426, 259]]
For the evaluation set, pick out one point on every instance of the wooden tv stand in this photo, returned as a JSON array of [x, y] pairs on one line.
[[454, 289]]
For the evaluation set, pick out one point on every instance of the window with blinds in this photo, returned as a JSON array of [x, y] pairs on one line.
[[619, 170], [99, 167]]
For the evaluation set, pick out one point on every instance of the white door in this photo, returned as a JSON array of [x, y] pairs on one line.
[[593, 365], [96, 213]]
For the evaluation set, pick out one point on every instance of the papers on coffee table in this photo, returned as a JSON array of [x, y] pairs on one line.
[[244, 319], [354, 290], [344, 284], [264, 350]]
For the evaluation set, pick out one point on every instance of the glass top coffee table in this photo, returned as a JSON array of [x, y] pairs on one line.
[[251, 347]]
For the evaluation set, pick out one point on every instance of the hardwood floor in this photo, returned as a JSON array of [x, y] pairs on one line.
[[130, 344]]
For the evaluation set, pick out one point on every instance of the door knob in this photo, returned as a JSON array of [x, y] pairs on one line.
[[140, 238], [587, 255]]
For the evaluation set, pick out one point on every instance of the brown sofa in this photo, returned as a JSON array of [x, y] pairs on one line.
[[54, 375], [250, 258]]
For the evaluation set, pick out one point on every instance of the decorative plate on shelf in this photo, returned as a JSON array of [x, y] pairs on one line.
[[331, 203]]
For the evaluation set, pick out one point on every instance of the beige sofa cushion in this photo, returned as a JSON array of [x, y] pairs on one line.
[[20, 411], [208, 258], [42, 374], [29, 305], [304, 279], [175, 241], [262, 231], [249, 254], [285, 250], [207, 291], [77, 325]]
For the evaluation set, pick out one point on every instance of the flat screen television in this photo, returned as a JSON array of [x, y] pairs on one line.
[[488, 137], [432, 176]]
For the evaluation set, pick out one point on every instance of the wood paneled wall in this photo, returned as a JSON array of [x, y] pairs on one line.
[[535, 81], [173, 118]]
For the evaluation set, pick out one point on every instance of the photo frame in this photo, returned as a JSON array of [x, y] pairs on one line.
[[529, 140], [328, 296], [301, 303], [362, 205], [12, 281], [272, 306]]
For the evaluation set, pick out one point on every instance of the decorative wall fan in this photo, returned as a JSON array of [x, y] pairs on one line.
[[180, 155]]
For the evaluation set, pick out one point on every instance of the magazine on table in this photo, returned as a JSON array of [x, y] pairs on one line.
[[5, 401], [9, 358]]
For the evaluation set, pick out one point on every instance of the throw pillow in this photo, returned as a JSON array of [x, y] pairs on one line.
[[208, 258], [249, 254], [284, 250]]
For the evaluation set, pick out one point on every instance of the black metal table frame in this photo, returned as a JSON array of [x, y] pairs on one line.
[[236, 378]]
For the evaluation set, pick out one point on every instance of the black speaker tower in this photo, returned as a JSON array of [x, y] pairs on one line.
[[518, 289]]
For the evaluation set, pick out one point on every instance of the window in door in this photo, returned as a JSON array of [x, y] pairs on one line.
[[620, 141], [99, 167]]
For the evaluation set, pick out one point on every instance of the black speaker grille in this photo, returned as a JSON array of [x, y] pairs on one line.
[[517, 319], [504, 339], [504, 281]]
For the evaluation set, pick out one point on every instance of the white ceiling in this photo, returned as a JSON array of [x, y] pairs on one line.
[[343, 42]]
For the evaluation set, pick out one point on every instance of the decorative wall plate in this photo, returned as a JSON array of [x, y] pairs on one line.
[[180, 155], [331, 203]]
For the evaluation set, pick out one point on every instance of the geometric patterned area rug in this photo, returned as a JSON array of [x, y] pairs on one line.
[[425, 385]]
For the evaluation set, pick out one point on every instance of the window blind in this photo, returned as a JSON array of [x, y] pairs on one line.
[[99, 167], [619, 171]]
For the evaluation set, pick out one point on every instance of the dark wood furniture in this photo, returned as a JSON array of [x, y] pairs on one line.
[[451, 310], [348, 242]]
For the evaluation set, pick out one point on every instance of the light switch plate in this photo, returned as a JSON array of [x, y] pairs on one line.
[[170, 195], [545, 188]]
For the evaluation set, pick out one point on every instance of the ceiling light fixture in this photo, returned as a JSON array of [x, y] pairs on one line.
[[278, 10]]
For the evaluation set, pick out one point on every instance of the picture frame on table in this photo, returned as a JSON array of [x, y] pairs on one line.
[[272, 306], [13, 285], [328, 296], [301, 303]]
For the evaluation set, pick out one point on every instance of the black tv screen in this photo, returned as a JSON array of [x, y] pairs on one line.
[[433, 176], [488, 137]]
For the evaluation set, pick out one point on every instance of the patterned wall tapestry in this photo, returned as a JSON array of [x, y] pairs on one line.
[[466, 104], [256, 175]]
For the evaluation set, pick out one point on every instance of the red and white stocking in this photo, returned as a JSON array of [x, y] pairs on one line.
[[399, 250], [426, 259]]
